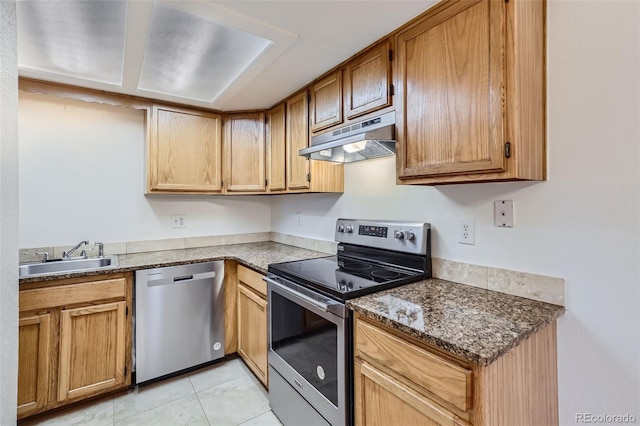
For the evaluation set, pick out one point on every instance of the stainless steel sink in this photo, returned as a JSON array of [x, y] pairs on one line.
[[67, 265]]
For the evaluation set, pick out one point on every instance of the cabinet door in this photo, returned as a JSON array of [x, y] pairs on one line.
[[245, 152], [252, 331], [92, 350], [184, 153], [366, 80], [276, 149], [383, 400], [297, 137], [33, 364], [326, 102], [450, 86]]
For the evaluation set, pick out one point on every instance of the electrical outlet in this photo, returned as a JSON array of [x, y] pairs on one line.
[[178, 220], [299, 218], [467, 232], [503, 213]]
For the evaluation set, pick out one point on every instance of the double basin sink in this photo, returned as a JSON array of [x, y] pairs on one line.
[[67, 265]]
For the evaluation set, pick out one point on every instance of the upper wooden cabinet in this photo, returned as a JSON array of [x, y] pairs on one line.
[[471, 93], [184, 152], [244, 148], [326, 102], [276, 151], [297, 138], [186, 148], [367, 80], [304, 175]]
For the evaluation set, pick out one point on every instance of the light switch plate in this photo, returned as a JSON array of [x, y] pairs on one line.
[[503, 213]]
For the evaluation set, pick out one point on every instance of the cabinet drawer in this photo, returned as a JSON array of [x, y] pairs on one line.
[[441, 377], [69, 294], [252, 279]]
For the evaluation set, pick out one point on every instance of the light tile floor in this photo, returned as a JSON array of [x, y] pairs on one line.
[[224, 394]]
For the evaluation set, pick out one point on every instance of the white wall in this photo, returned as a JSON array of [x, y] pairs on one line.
[[583, 224], [8, 213], [82, 177]]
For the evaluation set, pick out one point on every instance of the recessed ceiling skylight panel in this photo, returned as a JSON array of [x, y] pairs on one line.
[[192, 57], [80, 39]]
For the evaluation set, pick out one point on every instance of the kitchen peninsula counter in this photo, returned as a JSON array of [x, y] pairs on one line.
[[476, 324]]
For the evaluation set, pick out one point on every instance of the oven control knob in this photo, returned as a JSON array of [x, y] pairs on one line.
[[341, 228], [409, 235], [399, 235], [348, 229]]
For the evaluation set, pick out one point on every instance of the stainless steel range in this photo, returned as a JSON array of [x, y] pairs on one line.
[[310, 328]]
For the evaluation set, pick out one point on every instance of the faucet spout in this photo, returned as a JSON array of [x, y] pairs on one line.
[[67, 254]]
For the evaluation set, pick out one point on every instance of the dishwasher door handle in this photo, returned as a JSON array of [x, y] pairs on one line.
[[195, 277], [162, 280]]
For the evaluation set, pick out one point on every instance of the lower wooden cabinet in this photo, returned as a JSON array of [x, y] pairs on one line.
[[74, 340], [92, 346], [399, 380], [383, 400], [252, 322], [33, 363]]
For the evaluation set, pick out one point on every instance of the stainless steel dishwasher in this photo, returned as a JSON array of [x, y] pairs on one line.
[[178, 318]]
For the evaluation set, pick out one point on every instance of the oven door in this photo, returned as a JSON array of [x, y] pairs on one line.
[[308, 334]]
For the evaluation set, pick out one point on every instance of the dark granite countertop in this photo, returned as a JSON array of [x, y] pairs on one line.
[[477, 324], [254, 255]]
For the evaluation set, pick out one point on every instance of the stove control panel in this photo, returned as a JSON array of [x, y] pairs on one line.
[[373, 231], [408, 237]]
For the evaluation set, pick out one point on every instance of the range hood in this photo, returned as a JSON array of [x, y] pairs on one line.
[[366, 139]]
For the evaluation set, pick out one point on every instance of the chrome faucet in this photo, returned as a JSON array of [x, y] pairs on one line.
[[45, 254], [67, 254], [100, 248]]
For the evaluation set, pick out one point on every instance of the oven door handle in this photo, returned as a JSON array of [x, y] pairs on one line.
[[324, 307]]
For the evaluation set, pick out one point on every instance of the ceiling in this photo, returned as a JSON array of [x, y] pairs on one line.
[[225, 55]]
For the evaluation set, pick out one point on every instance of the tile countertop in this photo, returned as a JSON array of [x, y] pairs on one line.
[[477, 324], [254, 255]]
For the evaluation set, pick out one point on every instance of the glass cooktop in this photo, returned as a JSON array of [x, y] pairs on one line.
[[344, 278]]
